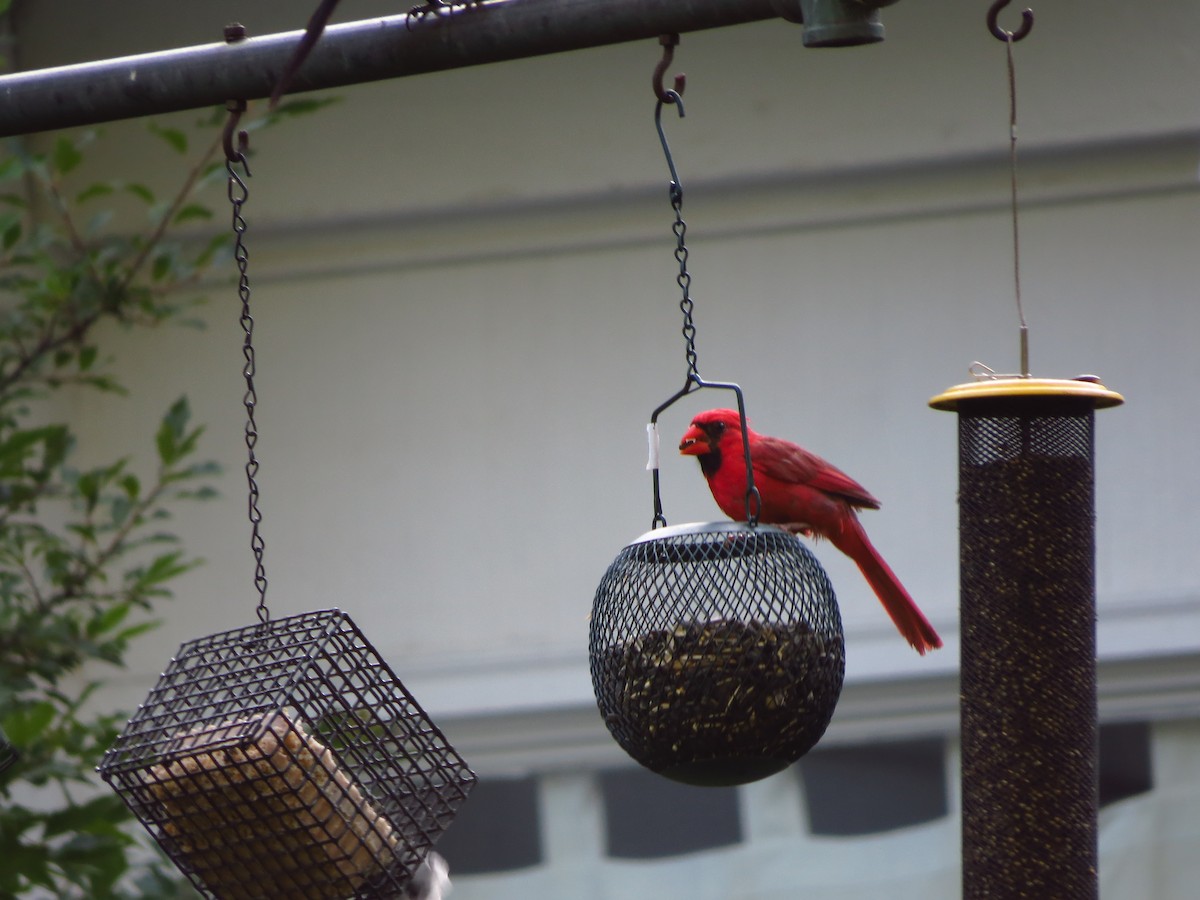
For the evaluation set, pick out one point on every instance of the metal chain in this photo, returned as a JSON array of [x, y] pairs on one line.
[[684, 280], [238, 193], [686, 306]]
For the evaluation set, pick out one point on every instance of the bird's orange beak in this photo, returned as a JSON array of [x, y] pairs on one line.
[[695, 442]]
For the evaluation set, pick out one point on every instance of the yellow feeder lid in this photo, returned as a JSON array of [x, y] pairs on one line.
[[1088, 386]]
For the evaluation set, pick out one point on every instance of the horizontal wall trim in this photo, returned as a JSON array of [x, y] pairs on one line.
[[884, 195], [564, 738]]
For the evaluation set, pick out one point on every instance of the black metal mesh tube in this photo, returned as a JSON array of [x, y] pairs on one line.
[[1029, 733]]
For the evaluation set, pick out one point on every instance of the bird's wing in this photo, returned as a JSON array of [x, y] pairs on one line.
[[791, 463]]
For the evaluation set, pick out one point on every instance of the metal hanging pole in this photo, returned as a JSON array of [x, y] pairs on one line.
[[352, 53]]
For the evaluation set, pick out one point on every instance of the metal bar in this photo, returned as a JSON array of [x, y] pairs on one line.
[[350, 53]]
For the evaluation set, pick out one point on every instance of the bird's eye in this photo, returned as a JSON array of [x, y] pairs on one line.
[[718, 428]]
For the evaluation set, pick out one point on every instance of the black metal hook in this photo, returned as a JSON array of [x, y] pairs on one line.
[[676, 188], [669, 42], [236, 108], [999, 33]]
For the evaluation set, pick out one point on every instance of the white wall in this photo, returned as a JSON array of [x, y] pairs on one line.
[[466, 310]]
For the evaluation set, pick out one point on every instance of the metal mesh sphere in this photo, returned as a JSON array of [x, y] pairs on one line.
[[287, 760], [717, 652]]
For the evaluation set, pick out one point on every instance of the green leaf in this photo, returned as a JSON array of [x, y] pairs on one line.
[[97, 815], [25, 725], [106, 383], [165, 567], [131, 486], [171, 432], [205, 493], [100, 189], [193, 211], [120, 510], [50, 442], [56, 443], [218, 247], [88, 486], [108, 619], [87, 356], [29, 861], [12, 234], [140, 191], [303, 106], [173, 136], [66, 155], [87, 532], [59, 283], [162, 267], [13, 167], [134, 630]]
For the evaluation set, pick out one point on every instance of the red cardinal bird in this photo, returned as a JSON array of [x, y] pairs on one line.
[[804, 493]]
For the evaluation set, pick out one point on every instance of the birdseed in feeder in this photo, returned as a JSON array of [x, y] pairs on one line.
[[703, 695]]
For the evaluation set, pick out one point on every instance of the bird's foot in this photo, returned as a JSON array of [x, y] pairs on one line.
[[798, 528]]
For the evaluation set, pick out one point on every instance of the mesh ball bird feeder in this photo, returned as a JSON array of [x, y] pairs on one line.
[[285, 759], [716, 649], [717, 653]]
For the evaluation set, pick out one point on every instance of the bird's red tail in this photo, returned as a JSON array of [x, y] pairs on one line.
[[911, 622]]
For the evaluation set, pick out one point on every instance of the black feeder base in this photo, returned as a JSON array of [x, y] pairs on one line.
[[717, 652], [287, 760]]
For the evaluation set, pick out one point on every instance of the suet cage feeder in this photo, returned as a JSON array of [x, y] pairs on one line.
[[717, 653], [1028, 632], [286, 759]]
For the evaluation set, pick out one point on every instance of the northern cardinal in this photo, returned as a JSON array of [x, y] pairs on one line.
[[805, 494]]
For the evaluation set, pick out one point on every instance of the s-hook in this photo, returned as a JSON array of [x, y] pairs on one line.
[[671, 96], [999, 33], [669, 43], [232, 154]]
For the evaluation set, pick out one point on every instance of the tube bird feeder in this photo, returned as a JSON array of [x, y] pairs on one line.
[[1028, 657]]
